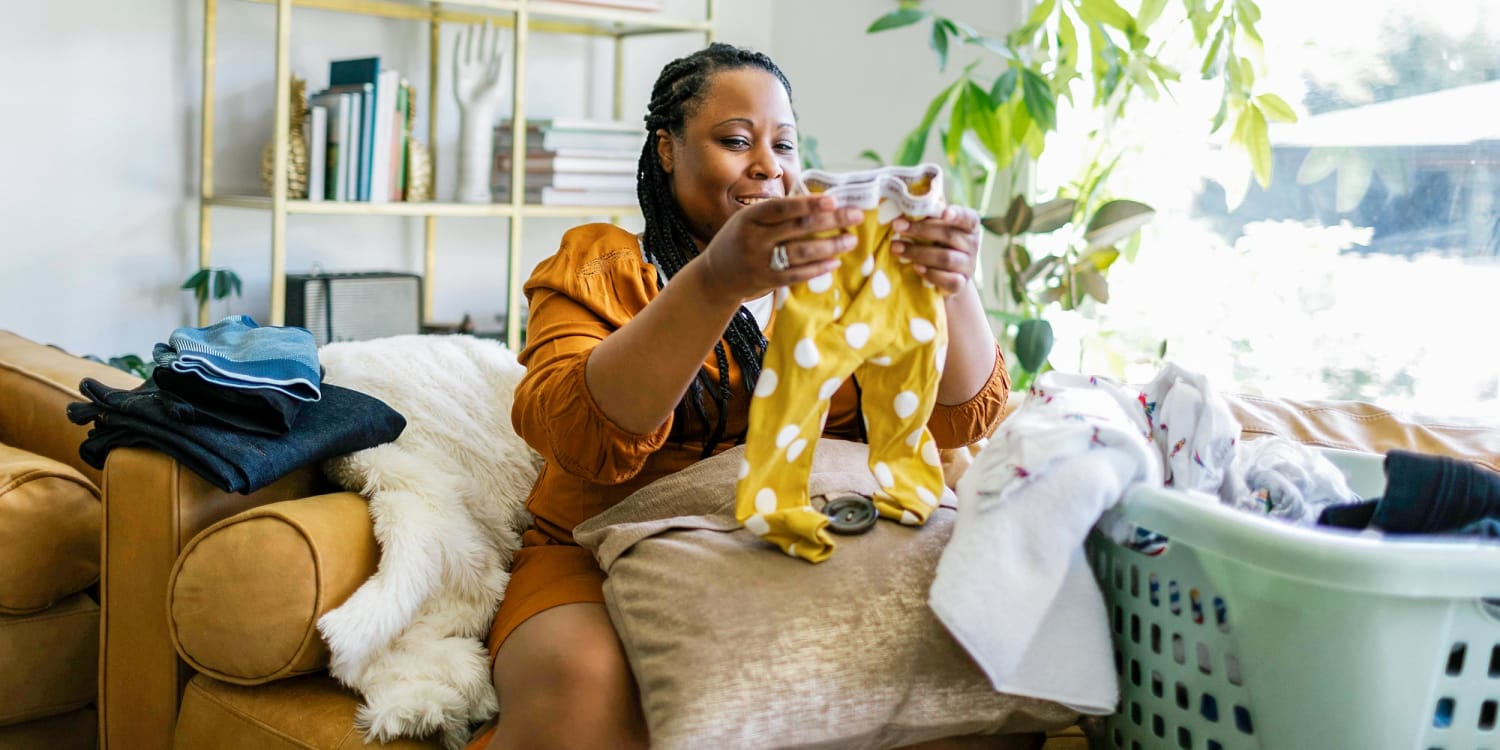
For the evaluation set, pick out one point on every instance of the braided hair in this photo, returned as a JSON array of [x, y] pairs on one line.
[[668, 244]]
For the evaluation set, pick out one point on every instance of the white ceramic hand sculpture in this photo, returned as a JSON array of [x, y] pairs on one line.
[[478, 73]]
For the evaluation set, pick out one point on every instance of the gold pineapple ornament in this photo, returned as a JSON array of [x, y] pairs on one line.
[[296, 162], [418, 157]]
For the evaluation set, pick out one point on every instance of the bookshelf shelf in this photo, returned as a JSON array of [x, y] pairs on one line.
[[522, 17], [402, 208]]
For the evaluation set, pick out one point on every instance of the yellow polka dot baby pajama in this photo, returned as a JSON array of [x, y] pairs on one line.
[[872, 317]]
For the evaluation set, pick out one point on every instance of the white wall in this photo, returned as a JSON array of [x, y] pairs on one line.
[[99, 205]]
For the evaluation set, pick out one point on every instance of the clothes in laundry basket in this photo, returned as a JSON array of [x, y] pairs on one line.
[[874, 317]]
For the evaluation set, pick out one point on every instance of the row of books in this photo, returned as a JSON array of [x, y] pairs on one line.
[[358, 129], [571, 162]]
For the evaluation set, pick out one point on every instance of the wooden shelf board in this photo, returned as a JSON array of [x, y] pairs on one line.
[[361, 208], [547, 15]]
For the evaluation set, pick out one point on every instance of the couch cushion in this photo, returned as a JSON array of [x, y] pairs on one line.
[[733, 642], [78, 730], [51, 660], [1352, 425], [49, 531], [303, 713], [246, 594]]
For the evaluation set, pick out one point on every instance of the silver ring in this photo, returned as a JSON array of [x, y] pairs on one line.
[[779, 260]]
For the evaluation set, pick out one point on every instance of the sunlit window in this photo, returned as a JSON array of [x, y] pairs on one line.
[[1369, 268]]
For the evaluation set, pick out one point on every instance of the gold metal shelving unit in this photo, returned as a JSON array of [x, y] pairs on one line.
[[522, 17]]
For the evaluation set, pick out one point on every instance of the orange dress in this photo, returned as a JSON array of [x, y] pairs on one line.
[[598, 281]]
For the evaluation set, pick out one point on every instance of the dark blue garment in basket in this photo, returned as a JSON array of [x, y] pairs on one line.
[[343, 421]]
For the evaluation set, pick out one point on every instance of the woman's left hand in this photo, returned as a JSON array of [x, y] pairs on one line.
[[943, 249]]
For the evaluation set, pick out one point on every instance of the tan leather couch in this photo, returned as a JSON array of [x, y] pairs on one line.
[[49, 551], [208, 638]]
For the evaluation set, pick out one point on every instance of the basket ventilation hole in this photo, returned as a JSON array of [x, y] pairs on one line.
[[1442, 718], [1205, 663], [1135, 628], [1119, 662], [1232, 670], [1119, 574], [1214, 745], [1221, 615], [1242, 720], [1158, 726], [1154, 589], [1135, 581], [1184, 738], [1182, 696], [1155, 638], [1119, 738], [1135, 745], [1135, 713], [1197, 601], [1487, 715], [1174, 598], [1119, 619], [1157, 684], [1495, 661], [1135, 673], [1456, 659], [1209, 707], [1179, 649]]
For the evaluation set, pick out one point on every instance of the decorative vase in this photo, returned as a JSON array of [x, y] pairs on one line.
[[418, 171], [296, 163]]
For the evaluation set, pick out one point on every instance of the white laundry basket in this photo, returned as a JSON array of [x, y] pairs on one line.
[[1252, 633]]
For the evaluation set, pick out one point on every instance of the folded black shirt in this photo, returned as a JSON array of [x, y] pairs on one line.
[[1426, 494], [343, 421]]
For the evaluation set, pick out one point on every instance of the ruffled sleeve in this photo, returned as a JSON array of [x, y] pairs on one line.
[[595, 283], [959, 425]]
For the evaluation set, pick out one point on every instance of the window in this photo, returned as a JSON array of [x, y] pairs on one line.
[[1370, 266]]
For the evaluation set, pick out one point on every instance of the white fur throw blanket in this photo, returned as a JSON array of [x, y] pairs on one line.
[[448, 502]]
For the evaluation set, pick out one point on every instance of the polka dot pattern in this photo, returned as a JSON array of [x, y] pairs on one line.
[[757, 525], [765, 501], [857, 335], [786, 435], [744, 468], [915, 437], [868, 267], [880, 285], [821, 283], [923, 330], [909, 518], [882, 361], [926, 496], [884, 476], [795, 449], [767, 383], [806, 353], [826, 391], [906, 404], [941, 358], [930, 454]]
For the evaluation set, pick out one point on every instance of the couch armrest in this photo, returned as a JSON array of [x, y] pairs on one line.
[[37, 382], [246, 594], [152, 507]]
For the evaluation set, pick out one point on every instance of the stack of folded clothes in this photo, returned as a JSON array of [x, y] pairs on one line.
[[240, 404]]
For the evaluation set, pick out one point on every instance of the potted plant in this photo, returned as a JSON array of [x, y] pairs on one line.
[[218, 283], [995, 118]]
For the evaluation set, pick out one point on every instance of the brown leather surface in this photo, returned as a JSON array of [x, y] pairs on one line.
[[247, 593], [152, 507], [302, 713], [1071, 738], [49, 531], [70, 731], [50, 659], [1366, 427], [36, 384]]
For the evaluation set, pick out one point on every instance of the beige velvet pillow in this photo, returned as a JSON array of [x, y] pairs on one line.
[[49, 531], [736, 645]]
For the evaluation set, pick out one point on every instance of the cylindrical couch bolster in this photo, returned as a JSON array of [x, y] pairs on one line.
[[246, 594]]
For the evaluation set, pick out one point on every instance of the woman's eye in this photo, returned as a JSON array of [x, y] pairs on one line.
[[787, 147], [735, 142]]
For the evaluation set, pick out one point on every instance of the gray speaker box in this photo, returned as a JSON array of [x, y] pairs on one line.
[[354, 306]]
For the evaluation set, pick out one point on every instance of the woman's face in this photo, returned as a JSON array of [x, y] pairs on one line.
[[738, 148]]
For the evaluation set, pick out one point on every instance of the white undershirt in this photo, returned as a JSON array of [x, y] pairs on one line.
[[760, 307]]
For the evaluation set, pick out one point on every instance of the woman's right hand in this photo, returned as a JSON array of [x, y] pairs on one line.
[[738, 261]]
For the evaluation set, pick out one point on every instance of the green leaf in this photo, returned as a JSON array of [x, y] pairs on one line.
[[984, 120], [221, 285], [1149, 12], [1005, 316], [1107, 12], [961, 30], [1033, 344], [1098, 261], [1094, 285], [1017, 217], [1355, 173], [1212, 60], [1276, 108], [1116, 220], [939, 41], [234, 282], [1222, 115], [1039, 99], [896, 19], [915, 145], [872, 156], [1040, 13], [1005, 86], [1017, 264], [957, 124], [1052, 215], [1250, 133], [1067, 43], [994, 45], [1318, 164], [1040, 268]]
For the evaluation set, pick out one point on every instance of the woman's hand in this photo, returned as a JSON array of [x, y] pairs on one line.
[[944, 250], [743, 262]]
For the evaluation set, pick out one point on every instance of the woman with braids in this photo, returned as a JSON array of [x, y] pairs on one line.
[[641, 357]]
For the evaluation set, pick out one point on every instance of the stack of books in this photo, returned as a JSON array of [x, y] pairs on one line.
[[357, 133], [572, 162]]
